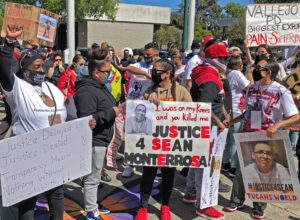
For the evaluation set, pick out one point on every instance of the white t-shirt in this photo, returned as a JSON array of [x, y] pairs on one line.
[[138, 86], [29, 112], [275, 100], [237, 83], [181, 76], [192, 63]]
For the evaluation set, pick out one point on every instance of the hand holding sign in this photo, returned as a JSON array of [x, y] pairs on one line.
[[13, 31]]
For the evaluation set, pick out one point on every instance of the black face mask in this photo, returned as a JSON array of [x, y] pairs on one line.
[[126, 56], [148, 60], [156, 77], [37, 77], [257, 74], [261, 57]]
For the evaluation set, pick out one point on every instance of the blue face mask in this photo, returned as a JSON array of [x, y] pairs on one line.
[[107, 80], [79, 68], [196, 51]]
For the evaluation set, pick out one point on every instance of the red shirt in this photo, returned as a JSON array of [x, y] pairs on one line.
[[67, 80]]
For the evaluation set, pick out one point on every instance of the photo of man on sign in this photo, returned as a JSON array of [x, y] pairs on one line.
[[46, 28], [266, 171]]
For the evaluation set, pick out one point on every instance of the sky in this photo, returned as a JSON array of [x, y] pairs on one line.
[[173, 4]]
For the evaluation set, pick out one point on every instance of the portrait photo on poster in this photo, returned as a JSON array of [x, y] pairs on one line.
[[46, 28], [266, 165], [139, 117]]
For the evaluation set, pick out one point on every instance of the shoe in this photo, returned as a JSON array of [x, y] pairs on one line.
[[257, 214], [209, 213], [189, 199], [95, 215], [103, 210], [105, 177], [128, 171], [224, 187], [142, 214], [225, 167], [231, 172], [165, 213], [233, 207], [158, 174]]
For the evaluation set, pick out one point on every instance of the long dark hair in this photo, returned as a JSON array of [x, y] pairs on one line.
[[169, 66], [76, 60]]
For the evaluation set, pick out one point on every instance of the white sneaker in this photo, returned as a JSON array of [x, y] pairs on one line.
[[128, 172]]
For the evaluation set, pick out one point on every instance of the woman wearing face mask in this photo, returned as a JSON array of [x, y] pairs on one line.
[[165, 88], [274, 102], [35, 104], [66, 82], [180, 75]]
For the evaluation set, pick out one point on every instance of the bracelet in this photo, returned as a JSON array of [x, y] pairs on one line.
[[10, 41]]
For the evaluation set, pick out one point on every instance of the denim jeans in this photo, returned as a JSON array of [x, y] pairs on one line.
[[194, 183], [293, 137], [230, 153], [92, 180]]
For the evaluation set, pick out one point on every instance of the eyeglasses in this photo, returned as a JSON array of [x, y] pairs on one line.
[[58, 59], [105, 72], [262, 152]]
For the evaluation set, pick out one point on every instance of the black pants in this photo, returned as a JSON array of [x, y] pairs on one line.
[[55, 199], [148, 177], [298, 156]]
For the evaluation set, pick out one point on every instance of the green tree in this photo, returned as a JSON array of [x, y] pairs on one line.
[[168, 36], [234, 10], [177, 20], [236, 34], [199, 32], [95, 8]]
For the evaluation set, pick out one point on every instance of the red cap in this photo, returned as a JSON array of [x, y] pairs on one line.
[[216, 50], [50, 49], [206, 39]]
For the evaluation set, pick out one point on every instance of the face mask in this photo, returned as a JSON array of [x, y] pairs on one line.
[[261, 56], [219, 63], [156, 77], [196, 51], [111, 52], [148, 60], [107, 79], [44, 57], [36, 77], [257, 74], [79, 68], [126, 56]]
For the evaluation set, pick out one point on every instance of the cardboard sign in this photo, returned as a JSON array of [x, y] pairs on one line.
[[38, 161], [268, 168], [292, 82], [173, 134], [31, 18], [273, 24], [211, 175]]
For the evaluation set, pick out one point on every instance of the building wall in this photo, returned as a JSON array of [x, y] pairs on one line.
[[119, 34], [82, 34]]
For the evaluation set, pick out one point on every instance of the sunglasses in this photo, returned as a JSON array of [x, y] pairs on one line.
[[261, 68], [157, 71], [58, 59]]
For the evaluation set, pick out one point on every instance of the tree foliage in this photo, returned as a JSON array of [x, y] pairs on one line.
[[168, 36], [95, 8], [234, 10], [199, 32]]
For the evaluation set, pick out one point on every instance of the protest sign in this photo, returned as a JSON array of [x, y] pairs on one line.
[[173, 134], [268, 168], [292, 82], [273, 24], [211, 175], [113, 147], [38, 161], [31, 18]]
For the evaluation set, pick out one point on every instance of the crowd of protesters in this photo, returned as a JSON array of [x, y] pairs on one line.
[[37, 87]]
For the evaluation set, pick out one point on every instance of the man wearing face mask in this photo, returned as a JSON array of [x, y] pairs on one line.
[[35, 104], [128, 57], [93, 98]]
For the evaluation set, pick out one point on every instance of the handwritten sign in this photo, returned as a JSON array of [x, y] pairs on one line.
[[35, 162], [211, 175], [29, 17], [273, 24], [268, 168], [173, 134]]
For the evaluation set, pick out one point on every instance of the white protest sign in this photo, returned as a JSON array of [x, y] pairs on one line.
[[273, 24], [268, 168], [38, 161], [211, 175], [173, 134], [113, 147]]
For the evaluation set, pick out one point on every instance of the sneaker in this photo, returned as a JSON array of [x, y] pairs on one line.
[[257, 214], [231, 172], [189, 199], [158, 173], [224, 187], [165, 213], [225, 167], [103, 210], [142, 214], [105, 177], [233, 207], [209, 213], [128, 171], [95, 215]]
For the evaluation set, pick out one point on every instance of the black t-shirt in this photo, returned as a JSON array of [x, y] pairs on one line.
[[208, 92], [228, 96]]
